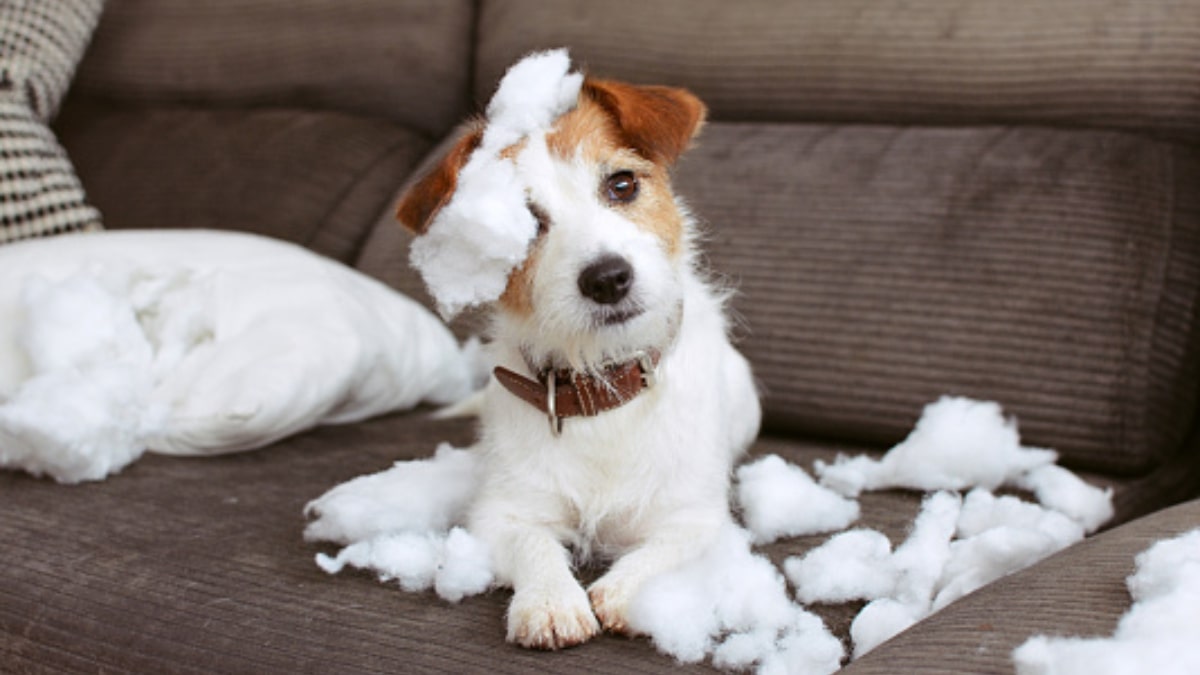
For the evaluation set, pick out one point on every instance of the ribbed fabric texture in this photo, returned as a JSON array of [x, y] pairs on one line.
[[317, 178], [199, 566], [1128, 65], [878, 268], [403, 60], [40, 44], [1078, 592]]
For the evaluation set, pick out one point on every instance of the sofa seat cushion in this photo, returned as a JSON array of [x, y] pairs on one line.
[[316, 178], [198, 565]]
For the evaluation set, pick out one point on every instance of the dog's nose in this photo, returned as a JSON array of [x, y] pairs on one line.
[[607, 281]]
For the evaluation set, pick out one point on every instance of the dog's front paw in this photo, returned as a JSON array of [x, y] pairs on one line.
[[610, 601], [551, 620]]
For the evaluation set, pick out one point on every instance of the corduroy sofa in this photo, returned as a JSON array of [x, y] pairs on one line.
[[997, 200]]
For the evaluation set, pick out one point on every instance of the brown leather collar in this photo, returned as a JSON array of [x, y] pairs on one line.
[[566, 393]]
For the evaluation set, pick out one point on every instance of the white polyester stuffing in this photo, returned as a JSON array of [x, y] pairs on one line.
[[916, 566], [1059, 489], [853, 565], [958, 551], [958, 443], [454, 564], [779, 499], [737, 611], [483, 233], [402, 523], [87, 409], [731, 606], [1159, 634]]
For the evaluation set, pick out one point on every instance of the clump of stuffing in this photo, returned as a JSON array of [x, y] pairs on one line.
[[1159, 633], [998, 536], [731, 606], [454, 564], [778, 499], [916, 568], [87, 409], [403, 524], [1061, 490], [853, 565], [955, 547], [958, 443], [484, 232]]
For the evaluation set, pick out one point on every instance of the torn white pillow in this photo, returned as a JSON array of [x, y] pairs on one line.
[[198, 342]]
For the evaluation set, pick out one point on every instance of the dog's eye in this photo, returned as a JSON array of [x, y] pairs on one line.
[[621, 187]]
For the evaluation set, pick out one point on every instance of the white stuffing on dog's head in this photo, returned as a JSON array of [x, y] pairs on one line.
[[558, 210], [476, 239]]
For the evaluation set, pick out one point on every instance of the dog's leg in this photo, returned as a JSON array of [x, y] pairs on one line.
[[549, 609], [673, 542]]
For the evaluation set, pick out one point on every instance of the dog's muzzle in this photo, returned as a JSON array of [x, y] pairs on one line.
[[566, 393]]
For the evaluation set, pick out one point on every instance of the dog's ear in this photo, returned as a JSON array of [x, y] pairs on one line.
[[658, 122], [426, 197]]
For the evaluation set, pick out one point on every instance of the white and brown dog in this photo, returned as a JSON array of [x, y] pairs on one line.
[[619, 405]]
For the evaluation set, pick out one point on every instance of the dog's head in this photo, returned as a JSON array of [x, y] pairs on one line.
[[602, 274]]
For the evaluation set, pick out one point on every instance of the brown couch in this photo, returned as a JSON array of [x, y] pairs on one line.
[[999, 200]]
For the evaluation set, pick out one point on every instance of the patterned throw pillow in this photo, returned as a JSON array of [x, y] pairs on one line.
[[41, 41]]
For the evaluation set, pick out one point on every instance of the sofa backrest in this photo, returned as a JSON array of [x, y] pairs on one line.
[[1111, 64], [1034, 241], [404, 60], [913, 197]]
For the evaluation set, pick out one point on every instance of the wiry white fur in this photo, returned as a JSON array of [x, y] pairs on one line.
[[562, 330], [645, 484]]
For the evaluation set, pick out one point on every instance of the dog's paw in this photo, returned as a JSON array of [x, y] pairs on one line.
[[610, 601], [548, 620]]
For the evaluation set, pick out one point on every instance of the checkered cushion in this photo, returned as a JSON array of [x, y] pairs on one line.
[[41, 41]]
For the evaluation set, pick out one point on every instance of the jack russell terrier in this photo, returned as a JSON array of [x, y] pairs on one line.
[[619, 406]]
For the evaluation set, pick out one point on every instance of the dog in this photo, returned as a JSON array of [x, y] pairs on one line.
[[619, 405]]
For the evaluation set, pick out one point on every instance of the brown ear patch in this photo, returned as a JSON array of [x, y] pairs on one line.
[[426, 197], [658, 122]]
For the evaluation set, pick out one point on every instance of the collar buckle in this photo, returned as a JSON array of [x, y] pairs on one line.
[[556, 422], [649, 370]]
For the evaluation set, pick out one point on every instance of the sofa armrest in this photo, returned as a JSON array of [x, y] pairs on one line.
[[1078, 592]]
